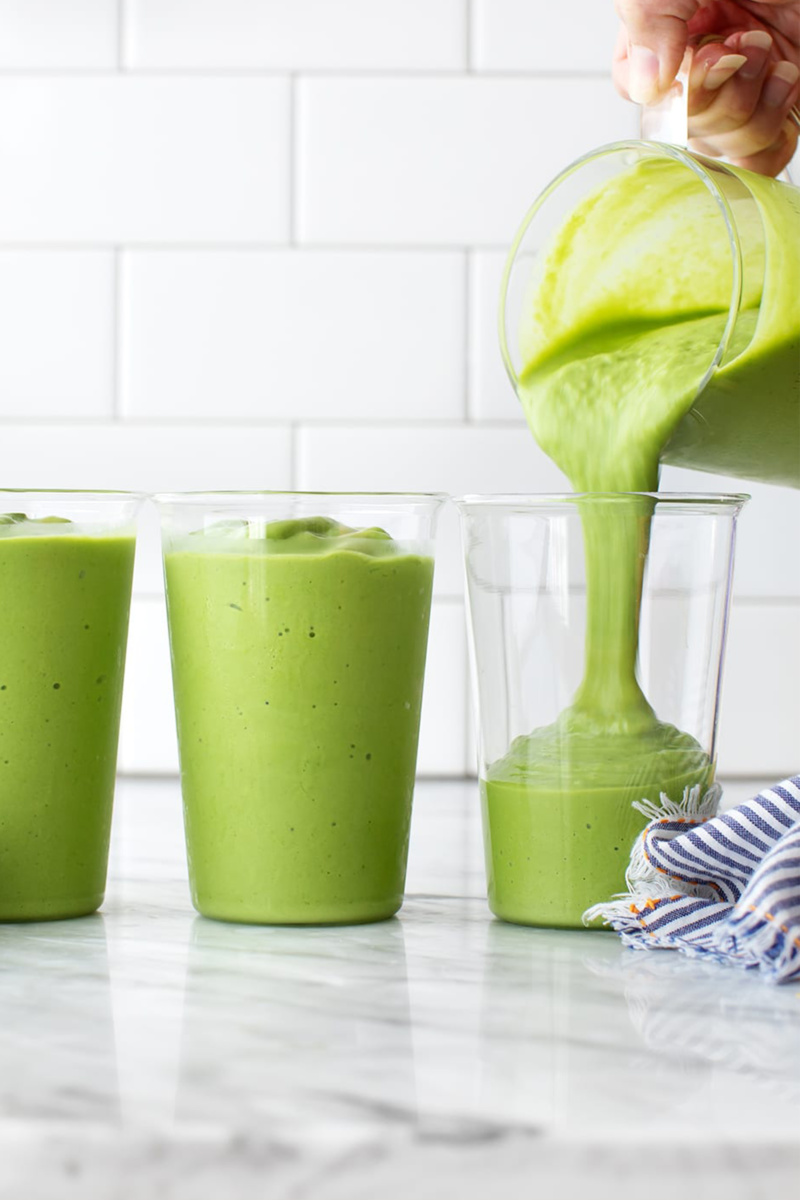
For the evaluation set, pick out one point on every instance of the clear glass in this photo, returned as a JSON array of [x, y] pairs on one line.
[[298, 627], [66, 567], [745, 420], [547, 657]]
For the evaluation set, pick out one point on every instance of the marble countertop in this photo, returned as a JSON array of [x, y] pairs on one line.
[[147, 1052]]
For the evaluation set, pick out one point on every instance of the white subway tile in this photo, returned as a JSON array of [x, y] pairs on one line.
[[147, 458], [303, 334], [490, 394], [768, 534], [57, 318], [520, 35], [453, 459], [297, 36], [110, 159], [148, 742], [760, 712], [56, 35], [442, 733], [440, 161]]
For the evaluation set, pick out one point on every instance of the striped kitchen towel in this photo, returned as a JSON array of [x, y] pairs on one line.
[[726, 887]]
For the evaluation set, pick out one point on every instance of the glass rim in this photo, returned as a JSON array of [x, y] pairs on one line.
[[80, 493], [533, 500], [233, 497]]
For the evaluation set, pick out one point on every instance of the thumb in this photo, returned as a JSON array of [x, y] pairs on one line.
[[657, 37]]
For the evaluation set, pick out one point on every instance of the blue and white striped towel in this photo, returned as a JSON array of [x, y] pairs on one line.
[[725, 887]]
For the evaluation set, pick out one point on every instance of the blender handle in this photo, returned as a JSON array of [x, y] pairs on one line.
[[668, 121]]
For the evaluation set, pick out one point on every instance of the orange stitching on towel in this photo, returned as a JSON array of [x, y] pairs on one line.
[[650, 904], [686, 878], [783, 928]]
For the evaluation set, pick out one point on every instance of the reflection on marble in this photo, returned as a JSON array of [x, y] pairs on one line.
[[149, 1052]]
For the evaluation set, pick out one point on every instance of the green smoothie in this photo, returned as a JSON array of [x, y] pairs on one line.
[[298, 656], [65, 599], [622, 322]]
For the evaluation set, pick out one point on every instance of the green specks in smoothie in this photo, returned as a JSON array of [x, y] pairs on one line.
[[238, 607], [101, 679], [56, 687], [318, 583]]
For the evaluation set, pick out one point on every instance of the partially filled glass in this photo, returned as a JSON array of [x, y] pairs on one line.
[[598, 629], [298, 627]]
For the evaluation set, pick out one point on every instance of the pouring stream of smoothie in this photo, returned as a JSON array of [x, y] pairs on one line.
[[623, 319]]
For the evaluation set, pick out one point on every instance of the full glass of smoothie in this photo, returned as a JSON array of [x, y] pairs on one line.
[[66, 565], [298, 628], [597, 636]]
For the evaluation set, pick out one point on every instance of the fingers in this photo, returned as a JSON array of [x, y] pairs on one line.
[[656, 38], [726, 82], [775, 158], [747, 116]]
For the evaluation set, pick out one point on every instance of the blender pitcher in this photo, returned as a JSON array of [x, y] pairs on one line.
[[622, 209]]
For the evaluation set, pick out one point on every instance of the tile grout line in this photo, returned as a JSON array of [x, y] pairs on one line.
[[468, 13], [121, 68], [375, 74], [173, 246]]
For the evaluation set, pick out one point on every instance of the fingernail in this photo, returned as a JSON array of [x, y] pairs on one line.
[[758, 42], [643, 76], [723, 70], [780, 83], [755, 39]]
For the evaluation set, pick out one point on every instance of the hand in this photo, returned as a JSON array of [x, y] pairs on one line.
[[744, 80]]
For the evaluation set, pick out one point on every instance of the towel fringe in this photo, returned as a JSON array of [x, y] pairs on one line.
[[695, 804], [644, 882]]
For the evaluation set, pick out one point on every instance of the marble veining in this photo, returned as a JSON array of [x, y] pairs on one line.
[[148, 1052]]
